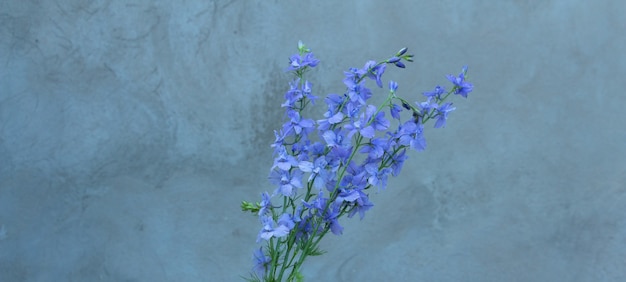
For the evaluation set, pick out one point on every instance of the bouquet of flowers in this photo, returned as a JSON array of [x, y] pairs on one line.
[[323, 169]]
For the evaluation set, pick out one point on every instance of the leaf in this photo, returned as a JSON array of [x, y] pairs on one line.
[[315, 252]]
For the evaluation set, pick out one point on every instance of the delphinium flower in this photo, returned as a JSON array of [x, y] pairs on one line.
[[461, 87], [262, 262], [442, 114], [324, 168]]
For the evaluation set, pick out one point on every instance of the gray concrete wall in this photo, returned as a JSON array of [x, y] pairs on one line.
[[131, 130]]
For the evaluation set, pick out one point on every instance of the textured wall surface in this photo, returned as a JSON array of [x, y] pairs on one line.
[[131, 130]]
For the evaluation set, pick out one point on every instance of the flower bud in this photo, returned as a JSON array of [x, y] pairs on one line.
[[393, 86], [401, 52], [393, 60]]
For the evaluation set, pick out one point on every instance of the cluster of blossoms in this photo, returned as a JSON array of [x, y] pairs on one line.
[[324, 168]]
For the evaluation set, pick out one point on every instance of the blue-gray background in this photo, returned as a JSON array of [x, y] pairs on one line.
[[131, 130]]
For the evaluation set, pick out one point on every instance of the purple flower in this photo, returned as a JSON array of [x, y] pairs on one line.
[[395, 110], [442, 114], [411, 134], [435, 93], [297, 62], [284, 161], [393, 86], [333, 138], [360, 126], [359, 94], [280, 139], [351, 77], [347, 195], [377, 176], [362, 204], [317, 149], [305, 228], [332, 219], [301, 150], [426, 106], [330, 119], [273, 229], [367, 124], [261, 262], [319, 204], [266, 204], [339, 155], [287, 181], [373, 71], [357, 177], [397, 161], [461, 86], [318, 171], [375, 148], [333, 101], [306, 89], [293, 94], [378, 120], [297, 124]]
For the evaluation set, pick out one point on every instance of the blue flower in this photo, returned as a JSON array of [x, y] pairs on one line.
[[333, 101], [393, 86], [377, 176], [266, 204], [435, 93], [318, 205], [280, 139], [362, 204], [395, 110], [273, 229], [284, 161], [377, 120], [373, 71], [297, 124], [397, 161], [261, 262], [426, 106], [301, 150], [305, 228], [442, 114], [347, 195], [317, 149], [411, 134], [461, 86], [318, 171], [359, 94], [360, 126], [356, 178], [351, 77], [375, 148], [306, 89], [333, 138], [297, 62], [293, 94], [287, 181], [330, 119], [332, 219], [339, 155]]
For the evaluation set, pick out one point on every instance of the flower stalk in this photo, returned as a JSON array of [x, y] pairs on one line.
[[323, 169]]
